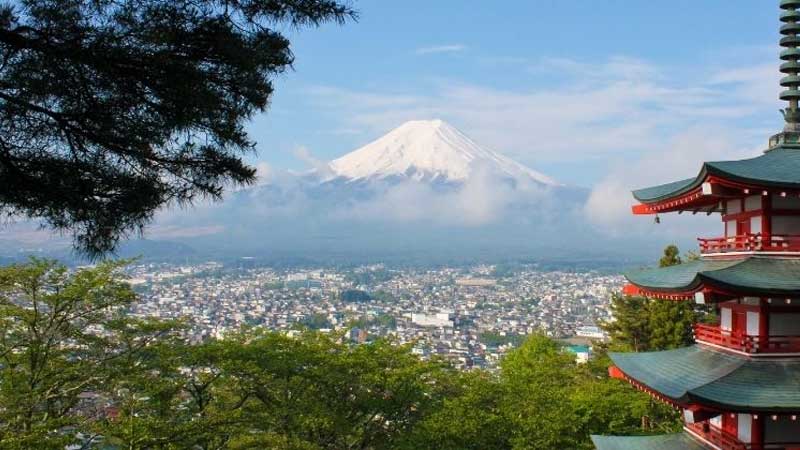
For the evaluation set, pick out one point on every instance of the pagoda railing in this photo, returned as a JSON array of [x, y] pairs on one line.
[[754, 242], [727, 441], [714, 334], [718, 437]]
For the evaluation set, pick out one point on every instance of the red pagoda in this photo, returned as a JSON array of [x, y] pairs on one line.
[[739, 385]]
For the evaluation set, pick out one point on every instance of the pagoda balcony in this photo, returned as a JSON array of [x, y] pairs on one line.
[[727, 441], [763, 345], [751, 242], [718, 437]]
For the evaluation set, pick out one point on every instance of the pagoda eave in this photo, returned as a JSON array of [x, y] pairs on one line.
[[708, 292], [722, 180], [707, 197], [716, 381], [719, 278], [679, 441], [694, 201], [617, 373], [702, 407], [641, 291]]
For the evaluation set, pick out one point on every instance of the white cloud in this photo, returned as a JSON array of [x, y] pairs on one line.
[[609, 204], [482, 200], [30, 234], [655, 124], [264, 172], [621, 106], [758, 84], [173, 232], [319, 166], [647, 124], [614, 68], [448, 48]]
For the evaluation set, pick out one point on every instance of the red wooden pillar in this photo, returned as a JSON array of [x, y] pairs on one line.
[[730, 424], [763, 324], [766, 219], [757, 431]]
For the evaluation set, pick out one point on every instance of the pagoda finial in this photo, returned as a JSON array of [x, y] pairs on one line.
[[791, 67]]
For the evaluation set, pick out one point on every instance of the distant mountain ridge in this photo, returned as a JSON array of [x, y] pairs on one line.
[[424, 191], [431, 151]]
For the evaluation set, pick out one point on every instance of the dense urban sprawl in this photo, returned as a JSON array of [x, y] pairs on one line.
[[471, 316]]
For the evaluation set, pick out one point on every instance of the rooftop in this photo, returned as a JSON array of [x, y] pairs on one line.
[[679, 441], [700, 375], [756, 275], [777, 168]]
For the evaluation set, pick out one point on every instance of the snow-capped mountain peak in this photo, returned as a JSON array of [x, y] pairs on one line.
[[428, 150]]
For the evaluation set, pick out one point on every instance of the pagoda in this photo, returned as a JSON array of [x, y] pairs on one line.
[[738, 387]]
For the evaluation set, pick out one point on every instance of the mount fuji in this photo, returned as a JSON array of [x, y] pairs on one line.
[[423, 189], [429, 151], [424, 192]]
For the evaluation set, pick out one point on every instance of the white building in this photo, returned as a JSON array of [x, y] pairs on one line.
[[432, 320]]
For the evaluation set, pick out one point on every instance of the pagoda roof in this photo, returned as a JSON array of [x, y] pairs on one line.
[[700, 375], [678, 441], [756, 275], [777, 168]]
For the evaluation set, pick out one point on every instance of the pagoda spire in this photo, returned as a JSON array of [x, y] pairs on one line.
[[791, 67]]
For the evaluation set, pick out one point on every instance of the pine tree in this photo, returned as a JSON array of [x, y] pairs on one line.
[[671, 257], [644, 324], [670, 324], [110, 110], [630, 330]]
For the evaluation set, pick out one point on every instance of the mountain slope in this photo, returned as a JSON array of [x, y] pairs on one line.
[[429, 150]]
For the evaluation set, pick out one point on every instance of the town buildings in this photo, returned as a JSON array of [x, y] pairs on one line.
[[471, 324]]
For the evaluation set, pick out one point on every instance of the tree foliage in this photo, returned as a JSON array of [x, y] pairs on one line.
[[112, 109], [645, 324], [630, 328], [642, 324], [672, 257], [63, 336], [670, 324], [355, 296], [74, 370], [540, 399]]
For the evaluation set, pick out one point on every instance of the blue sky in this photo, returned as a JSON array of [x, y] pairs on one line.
[[581, 90]]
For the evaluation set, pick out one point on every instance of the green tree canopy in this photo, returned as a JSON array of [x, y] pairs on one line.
[[355, 296], [540, 399], [630, 328], [63, 336], [671, 257], [112, 109], [75, 370], [644, 324]]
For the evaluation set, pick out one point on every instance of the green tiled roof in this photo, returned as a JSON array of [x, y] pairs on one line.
[[779, 168], [710, 377], [655, 193], [777, 276], [680, 441]]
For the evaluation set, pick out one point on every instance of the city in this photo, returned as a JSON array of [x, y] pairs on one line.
[[470, 316]]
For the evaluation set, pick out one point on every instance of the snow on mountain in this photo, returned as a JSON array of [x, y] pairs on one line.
[[429, 150]]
